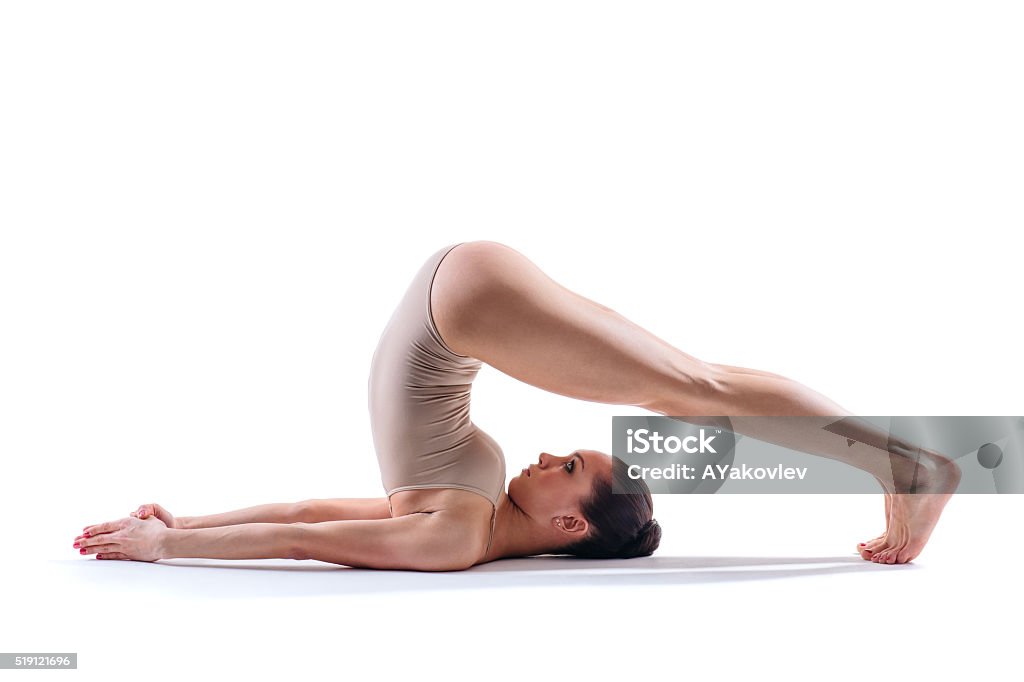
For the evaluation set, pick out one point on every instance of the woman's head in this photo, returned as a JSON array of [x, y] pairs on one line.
[[573, 495]]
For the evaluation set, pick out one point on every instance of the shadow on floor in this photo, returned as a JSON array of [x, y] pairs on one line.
[[250, 579]]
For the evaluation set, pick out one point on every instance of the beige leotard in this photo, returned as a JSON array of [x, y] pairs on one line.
[[419, 392]]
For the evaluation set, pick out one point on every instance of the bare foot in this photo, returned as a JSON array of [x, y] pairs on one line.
[[866, 548], [913, 516]]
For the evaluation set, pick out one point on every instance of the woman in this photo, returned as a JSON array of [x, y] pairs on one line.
[[446, 506]]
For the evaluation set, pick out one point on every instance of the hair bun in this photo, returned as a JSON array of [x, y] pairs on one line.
[[646, 527]]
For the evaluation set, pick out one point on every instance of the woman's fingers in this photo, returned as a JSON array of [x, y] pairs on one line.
[[99, 549], [114, 555], [107, 527], [151, 509], [96, 541], [98, 533]]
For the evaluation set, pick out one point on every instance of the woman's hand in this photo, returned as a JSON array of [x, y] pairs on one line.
[[146, 510], [128, 538]]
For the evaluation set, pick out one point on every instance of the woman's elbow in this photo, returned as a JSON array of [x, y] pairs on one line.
[[448, 562], [433, 557]]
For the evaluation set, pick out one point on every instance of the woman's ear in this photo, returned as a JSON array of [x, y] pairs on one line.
[[571, 524]]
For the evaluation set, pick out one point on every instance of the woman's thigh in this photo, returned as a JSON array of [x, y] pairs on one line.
[[491, 302]]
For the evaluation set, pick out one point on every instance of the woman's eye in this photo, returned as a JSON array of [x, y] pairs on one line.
[[569, 465]]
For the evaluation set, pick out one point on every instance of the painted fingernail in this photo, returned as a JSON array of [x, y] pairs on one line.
[[76, 545], [82, 551], [86, 534], [99, 556]]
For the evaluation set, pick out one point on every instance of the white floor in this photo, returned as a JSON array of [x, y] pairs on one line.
[[776, 591]]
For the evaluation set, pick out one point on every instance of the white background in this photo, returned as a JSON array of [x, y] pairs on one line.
[[208, 211]]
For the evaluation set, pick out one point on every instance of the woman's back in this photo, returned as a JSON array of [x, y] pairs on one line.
[[431, 455]]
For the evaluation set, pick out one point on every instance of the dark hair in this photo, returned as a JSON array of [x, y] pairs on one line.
[[621, 524]]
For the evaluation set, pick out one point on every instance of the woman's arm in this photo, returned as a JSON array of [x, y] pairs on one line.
[[434, 541], [276, 512], [307, 511], [343, 509], [239, 541], [427, 541]]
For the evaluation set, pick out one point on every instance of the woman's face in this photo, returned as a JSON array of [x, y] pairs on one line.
[[556, 487]]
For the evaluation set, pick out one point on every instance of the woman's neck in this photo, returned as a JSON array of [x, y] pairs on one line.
[[516, 534]]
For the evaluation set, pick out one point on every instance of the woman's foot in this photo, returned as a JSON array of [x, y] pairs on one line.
[[912, 516], [866, 548]]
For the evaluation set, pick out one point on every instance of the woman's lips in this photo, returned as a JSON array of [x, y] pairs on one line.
[[526, 470]]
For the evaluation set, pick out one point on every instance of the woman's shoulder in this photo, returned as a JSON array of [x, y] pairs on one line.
[[467, 514]]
